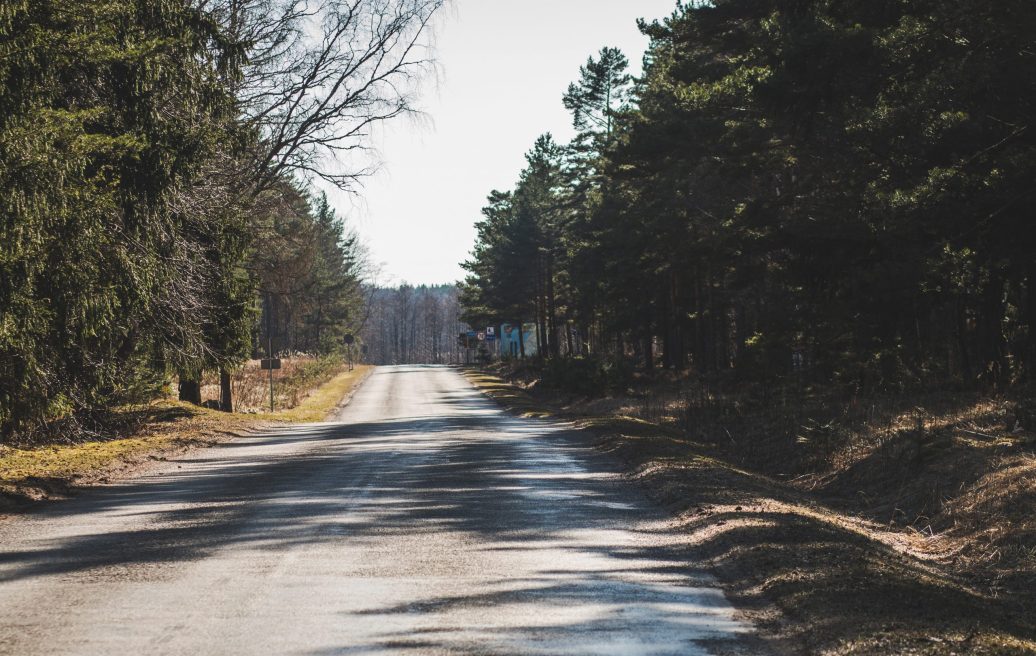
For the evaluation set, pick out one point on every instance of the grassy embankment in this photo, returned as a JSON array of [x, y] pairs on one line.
[[309, 391], [912, 534]]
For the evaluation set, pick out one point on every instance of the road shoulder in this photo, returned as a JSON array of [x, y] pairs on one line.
[[811, 579]]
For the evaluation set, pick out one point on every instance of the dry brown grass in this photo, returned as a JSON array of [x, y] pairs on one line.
[[52, 470], [140, 435], [914, 533], [954, 471], [296, 378], [990, 527]]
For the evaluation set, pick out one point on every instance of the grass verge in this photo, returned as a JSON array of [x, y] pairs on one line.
[[146, 434], [813, 578], [325, 399]]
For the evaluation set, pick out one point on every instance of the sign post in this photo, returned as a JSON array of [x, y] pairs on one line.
[[269, 346], [269, 364], [470, 345], [349, 341]]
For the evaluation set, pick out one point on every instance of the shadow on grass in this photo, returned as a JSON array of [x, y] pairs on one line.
[[837, 588], [105, 426]]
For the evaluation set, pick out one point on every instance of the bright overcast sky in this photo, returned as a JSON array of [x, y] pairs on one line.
[[504, 67]]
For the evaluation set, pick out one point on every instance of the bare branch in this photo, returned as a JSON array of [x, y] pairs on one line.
[[320, 74]]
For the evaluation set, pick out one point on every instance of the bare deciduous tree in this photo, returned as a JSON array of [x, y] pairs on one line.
[[318, 75], [413, 325]]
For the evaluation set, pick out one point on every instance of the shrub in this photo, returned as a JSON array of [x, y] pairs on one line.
[[586, 376]]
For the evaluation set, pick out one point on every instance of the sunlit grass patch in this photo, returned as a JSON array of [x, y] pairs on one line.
[[18, 466], [322, 401], [152, 432], [510, 396]]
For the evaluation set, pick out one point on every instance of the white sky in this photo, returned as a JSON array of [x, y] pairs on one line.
[[504, 67]]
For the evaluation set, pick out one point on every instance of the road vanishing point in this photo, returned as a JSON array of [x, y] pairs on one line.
[[422, 520]]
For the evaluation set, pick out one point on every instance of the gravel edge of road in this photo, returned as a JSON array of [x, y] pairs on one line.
[[344, 402]]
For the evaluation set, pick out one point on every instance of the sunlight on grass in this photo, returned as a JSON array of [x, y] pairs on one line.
[[67, 462], [171, 425], [508, 395], [319, 404]]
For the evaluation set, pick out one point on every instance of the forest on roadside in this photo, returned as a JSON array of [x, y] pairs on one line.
[[161, 167], [839, 192], [413, 325], [797, 253]]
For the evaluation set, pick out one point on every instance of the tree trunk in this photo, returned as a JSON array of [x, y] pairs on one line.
[[677, 314], [552, 312], [1029, 356], [190, 390], [992, 343], [962, 343], [226, 391], [541, 316], [712, 317], [740, 332], [700, 346], [667, 338]]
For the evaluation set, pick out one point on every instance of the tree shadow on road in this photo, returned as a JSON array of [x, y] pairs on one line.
[[503, 484]]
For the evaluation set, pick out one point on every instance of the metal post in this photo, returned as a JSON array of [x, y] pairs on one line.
[[269, 343]]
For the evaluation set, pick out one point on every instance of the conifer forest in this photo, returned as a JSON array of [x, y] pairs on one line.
[[159, 214], [841, 189], [532, 327]]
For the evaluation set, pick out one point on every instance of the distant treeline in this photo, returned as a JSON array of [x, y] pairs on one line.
[[156, 205], [839, 188], [413, 325]]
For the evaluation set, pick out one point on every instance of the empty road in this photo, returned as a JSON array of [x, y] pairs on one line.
[[422, 521]]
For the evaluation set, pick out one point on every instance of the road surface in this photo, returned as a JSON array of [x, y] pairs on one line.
[[422, 521]]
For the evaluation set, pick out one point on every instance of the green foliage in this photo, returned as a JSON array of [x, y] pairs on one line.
[[587, 376], [107, 110], [601, 92], [130, 208], [308, 271], [838, 190]]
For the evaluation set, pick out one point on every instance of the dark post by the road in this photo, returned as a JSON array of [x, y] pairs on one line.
[[269, 345], [349, 341]]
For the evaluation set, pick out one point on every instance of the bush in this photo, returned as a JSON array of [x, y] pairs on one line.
[[586, 376]]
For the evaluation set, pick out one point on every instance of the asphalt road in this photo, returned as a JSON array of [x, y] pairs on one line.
[[423, 521]]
